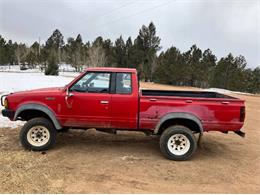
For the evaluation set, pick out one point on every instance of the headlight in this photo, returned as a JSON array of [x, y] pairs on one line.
[[6, 103]]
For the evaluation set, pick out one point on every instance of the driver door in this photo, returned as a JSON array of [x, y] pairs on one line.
[[88, 103]]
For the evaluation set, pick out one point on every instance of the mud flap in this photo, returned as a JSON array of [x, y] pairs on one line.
[[240, 133], [200, 139]]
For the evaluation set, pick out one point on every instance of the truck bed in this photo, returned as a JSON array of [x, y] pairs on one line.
[[217, 112], [192, 94]]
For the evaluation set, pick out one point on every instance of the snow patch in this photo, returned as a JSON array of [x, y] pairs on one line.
[[16, 68], [66, 68], [69, 74], [13, 82], [5, 122]]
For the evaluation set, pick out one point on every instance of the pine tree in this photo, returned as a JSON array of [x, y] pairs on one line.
[[120, 52], [170, 68], [208, 63], [55, 43], [193, 64], [255, 82], [148, 44], [52, 68], [229, 73], [78, 53], [32, 55], [108, 48], [129, 52], [2, 51]]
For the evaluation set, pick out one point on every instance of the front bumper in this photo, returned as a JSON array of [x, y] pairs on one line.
[[8, 113]]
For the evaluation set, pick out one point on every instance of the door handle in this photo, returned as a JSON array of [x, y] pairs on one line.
[[104, 102], [224, 102], [153, 99], [189, 101]]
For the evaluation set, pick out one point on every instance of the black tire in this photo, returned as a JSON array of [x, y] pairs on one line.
[[187, 138], [42, 122]]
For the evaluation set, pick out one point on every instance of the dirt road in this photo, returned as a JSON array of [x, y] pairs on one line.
[[95, 162]]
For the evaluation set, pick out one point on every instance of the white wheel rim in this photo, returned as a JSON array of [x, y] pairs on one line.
[[38, 136], [178, 144]]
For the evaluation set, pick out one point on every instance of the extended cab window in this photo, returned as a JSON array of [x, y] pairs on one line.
[[96, 82], [123, 83]]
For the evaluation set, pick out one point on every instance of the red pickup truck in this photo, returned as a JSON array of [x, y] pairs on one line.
[[109, 99]]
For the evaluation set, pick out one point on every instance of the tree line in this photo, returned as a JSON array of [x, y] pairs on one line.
[[194, 67]]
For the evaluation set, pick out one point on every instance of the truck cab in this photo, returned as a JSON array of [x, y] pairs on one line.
[[102, 98]]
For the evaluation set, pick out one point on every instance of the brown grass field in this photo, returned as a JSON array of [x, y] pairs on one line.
[[95, 162]]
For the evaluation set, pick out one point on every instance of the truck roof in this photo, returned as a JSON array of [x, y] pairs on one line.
[[109, 69]]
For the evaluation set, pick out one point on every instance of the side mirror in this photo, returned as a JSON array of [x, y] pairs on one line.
[[68, 93]]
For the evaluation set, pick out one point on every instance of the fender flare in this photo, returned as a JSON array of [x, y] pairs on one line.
[[179, 115], [41, 108]]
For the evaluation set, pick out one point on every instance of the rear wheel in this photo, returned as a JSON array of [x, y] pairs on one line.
[[38, 134], [178, 143]]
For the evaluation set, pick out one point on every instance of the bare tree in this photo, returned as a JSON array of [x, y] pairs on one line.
[[96, 56], [20, 53]]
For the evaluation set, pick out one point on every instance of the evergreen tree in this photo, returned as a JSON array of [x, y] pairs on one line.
[[69, 49], [147, 44], [129, 53], [120, 52], [255, 81], [75, 52], [3, 59], [170, 68], [193, 65], [228, 73], [79, 51], [32, 56], [52, 68], [208, 64], [108, 48], [10, 52], [55, 43]]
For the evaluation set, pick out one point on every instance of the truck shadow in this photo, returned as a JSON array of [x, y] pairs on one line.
[[134, 143], [94, 140]]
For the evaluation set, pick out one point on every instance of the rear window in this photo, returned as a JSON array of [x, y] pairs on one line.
[[123, 83]]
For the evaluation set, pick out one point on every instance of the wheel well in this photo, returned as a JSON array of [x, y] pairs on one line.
[[192, 125], [29, 114]]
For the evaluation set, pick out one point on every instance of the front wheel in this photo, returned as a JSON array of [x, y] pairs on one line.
[[38, 134], [178, 143]]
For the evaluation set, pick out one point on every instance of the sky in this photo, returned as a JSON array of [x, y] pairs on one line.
[[224, 26]]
